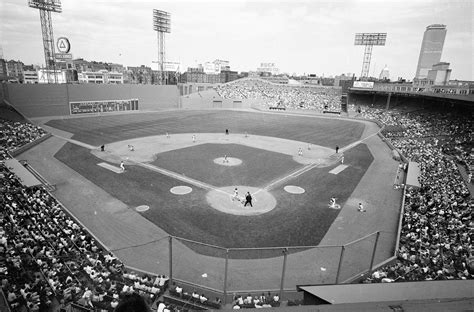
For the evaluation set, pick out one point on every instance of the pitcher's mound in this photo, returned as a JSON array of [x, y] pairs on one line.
[[230, 161], [222, 199]]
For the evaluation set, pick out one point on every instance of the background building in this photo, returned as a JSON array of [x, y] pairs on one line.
[[11, 70], [221, 65], [439, 74], [384, 74], [30, 76], [340, 80], [268, 68], [431, 49], [3, 70], [100, 77], [141, 75], [47, 76]]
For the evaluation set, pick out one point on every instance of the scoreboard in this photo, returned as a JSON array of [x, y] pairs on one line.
[[106, 106]]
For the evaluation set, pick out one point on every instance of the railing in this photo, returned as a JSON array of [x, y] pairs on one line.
[[275, 269]]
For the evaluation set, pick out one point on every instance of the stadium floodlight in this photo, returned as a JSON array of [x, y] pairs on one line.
[[162, 25], [46, 7], [369, 40]]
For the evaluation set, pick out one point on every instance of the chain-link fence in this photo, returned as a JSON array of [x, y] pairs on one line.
[[252, 270], [198, 264]]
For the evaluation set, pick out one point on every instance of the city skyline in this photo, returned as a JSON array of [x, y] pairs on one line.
[[299, 37]]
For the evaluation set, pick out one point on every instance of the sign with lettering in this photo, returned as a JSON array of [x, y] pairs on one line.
[[63, 45]]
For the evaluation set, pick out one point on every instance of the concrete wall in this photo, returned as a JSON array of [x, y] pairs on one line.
[[150, 97], [39, 100]]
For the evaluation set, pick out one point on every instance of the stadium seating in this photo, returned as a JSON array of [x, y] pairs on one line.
[[48, 259], [435, 243], [14, 134], [281, 97]]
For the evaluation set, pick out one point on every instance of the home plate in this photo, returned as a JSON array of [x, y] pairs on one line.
[[338, 169], [110, 167]]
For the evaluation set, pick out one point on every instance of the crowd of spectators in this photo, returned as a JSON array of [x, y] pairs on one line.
[[437, 228], [180, 296], [289, 97], [257, 301], [47, 258], [14, 134]]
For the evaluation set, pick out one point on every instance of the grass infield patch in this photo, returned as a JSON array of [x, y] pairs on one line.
[[258, 166]]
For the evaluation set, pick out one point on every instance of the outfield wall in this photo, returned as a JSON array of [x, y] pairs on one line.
[[40, 100]]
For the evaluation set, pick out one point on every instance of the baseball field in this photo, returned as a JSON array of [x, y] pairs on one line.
[[180, 175]]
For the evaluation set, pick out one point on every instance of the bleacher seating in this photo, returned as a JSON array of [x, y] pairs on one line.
[[281, 97]]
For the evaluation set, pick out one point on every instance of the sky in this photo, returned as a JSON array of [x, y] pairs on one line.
[[300, 37]]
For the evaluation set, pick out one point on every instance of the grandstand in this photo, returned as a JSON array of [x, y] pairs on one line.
[[272, 95], [84, 246]]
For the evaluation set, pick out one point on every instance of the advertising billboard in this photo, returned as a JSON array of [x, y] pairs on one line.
[[210, 68], [364, 84]]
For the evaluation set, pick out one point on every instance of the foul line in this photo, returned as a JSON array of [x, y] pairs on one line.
[[292, 175], [176, 176], [354, 144], [76, 142], [180, 177]]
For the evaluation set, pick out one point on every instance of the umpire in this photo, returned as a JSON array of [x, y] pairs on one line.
[[248, 199]]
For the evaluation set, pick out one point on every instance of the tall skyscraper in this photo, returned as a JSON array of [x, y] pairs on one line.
[[431, 49]]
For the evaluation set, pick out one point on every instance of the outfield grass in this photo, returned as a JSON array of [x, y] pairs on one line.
[[106, 129], [297, 220]]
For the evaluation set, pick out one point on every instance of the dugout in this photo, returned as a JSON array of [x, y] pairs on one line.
[[413, 174], [25, 176], [387, 292]]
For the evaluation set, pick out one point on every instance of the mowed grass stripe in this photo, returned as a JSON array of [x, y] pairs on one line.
[[105, 129]]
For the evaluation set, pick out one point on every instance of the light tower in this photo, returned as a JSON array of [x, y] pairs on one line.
[[162, 25], [369, 40], [46, 7]]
